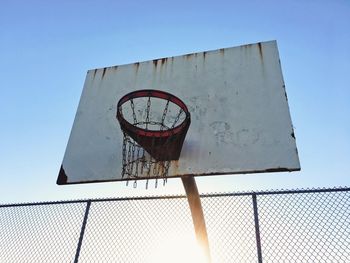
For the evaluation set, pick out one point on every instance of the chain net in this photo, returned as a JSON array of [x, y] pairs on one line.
[[137, 162], [149, 114]]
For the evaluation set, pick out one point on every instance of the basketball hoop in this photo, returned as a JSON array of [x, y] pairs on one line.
[[154, 125]]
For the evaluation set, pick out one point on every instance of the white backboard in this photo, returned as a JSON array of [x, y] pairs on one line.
[[240, 120]]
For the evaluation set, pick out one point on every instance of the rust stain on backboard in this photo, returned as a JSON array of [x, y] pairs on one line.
[[175, 165], [104, 72], [62, 177], [278, 169], [285, 92], [204, 54], [137, 65], [293, 135], [188, 56], [260, 50], [163, 60], [155, 62]]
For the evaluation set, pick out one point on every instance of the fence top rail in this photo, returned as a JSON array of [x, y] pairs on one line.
[[209, 195]]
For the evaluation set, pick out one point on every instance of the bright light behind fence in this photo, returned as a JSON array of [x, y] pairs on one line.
[[176, 247]]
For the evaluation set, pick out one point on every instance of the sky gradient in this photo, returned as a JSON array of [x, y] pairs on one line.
[[46, 48]]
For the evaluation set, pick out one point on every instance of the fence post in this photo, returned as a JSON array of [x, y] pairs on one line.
[[82, 231], [257, 230]]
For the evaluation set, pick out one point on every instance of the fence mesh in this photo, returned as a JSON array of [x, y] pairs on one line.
[[288, 226], [230, 225], [40, 233], [305, 227]]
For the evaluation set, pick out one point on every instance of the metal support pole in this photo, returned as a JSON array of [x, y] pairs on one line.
[[194, 202], [82, 231], [257, 230]]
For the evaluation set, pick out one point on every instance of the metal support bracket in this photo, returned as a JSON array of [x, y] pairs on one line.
[[194, 202]]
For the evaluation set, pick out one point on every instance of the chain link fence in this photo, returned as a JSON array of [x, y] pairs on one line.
[[278, 226]]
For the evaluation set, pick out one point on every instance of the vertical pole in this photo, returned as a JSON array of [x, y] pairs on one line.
[[194, 202], [257, 230], [82, 231]]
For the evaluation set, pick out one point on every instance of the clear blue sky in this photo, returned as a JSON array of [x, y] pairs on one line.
[[46, 47]]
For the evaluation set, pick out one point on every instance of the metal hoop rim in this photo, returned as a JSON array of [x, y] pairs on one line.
[[127, 126]]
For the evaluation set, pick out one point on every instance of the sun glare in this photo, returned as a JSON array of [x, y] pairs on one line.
[[177, 248]]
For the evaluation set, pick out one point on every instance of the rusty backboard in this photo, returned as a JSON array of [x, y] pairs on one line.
[[240, 119]]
